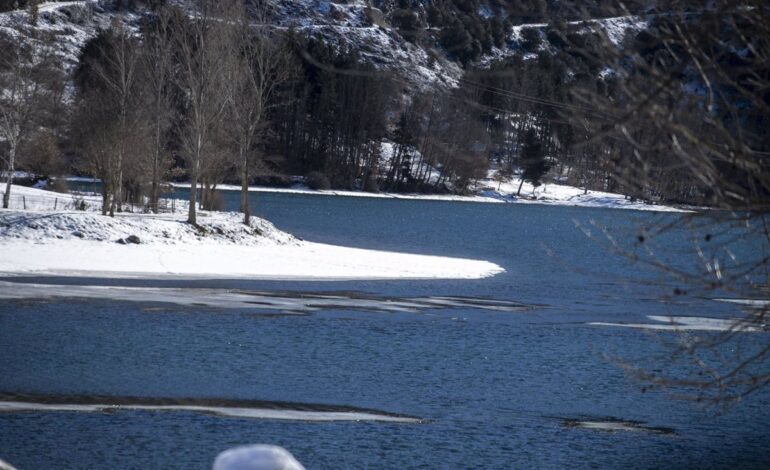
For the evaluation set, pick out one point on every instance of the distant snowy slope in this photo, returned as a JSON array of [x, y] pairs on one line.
[[346, 25], [72, 24]]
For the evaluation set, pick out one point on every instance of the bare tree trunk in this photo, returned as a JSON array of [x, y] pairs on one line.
[[155, 189], [155, 185], [191, 218], [9, 182], [245, 188], [119, 185], [105, 197]]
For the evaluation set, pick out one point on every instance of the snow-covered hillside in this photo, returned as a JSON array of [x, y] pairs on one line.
[[71, 23], [346, 25]]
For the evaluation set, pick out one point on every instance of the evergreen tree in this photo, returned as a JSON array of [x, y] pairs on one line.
[[533, 163]]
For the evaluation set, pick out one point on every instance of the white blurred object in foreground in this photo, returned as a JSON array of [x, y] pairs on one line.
[[257, 457], [6, 466]]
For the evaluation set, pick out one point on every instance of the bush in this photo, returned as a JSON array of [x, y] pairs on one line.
[[278, 180], [78, 203], [59, 185], [42, 155], [317, 180], [214, 201]]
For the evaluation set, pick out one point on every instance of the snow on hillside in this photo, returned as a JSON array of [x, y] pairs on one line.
[[72, 23], [615, 29], [343, 24]]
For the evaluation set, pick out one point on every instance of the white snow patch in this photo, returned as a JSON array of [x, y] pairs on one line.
[[38, 199], [561, 195]]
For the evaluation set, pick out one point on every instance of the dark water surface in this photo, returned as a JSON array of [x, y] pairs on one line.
[[497, 389]]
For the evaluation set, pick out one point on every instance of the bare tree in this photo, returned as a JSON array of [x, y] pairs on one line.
[[683, 116], [95, 131], [202, 43], [117, 68], [26, 70], [157, 75], [260, 64]]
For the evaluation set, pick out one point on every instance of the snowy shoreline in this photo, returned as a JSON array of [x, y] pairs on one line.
[[550, 194], [84, 243], [487, 191]]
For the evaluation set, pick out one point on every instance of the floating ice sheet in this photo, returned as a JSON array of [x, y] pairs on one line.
[[283, 302], [253, 409], [614, 425], [690, 324]]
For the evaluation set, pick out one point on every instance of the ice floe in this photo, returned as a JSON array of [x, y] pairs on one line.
[[614, 425], [253, 409], [666, 323], [283, 302]]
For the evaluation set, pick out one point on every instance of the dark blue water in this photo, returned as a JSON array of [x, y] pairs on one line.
[[493, 385]]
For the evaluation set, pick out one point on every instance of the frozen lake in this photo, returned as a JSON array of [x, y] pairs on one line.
[[518, 370]]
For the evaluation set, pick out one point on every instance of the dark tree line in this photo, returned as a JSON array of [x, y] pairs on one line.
[[336, 117]]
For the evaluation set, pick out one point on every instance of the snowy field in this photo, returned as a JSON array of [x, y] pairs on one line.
[[85, 243]]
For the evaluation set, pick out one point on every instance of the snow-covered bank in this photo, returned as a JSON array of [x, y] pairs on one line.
[[485, 191], [488, 191], [133, 245]]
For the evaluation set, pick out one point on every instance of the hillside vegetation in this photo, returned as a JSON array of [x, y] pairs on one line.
[[403, 96]]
